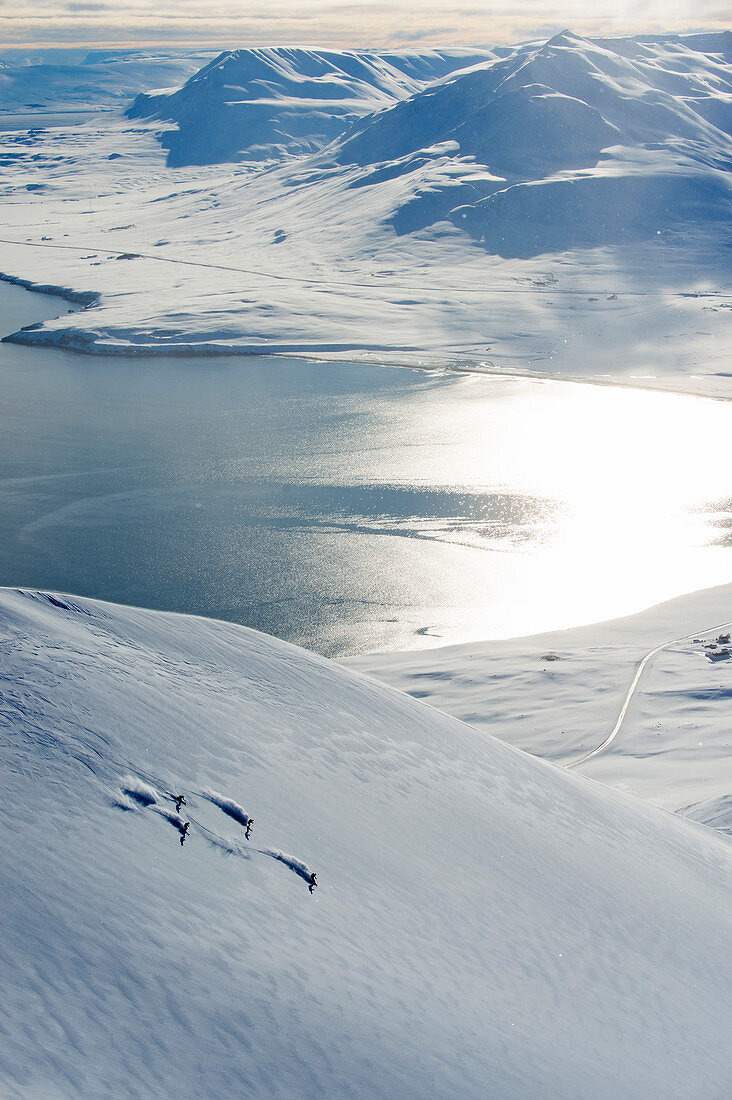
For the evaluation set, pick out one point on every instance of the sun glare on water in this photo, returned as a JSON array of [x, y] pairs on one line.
[[625, 496]]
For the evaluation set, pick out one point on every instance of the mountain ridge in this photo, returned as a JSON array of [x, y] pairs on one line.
[[266, 102]]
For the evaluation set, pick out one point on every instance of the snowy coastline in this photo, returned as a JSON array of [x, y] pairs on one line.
[[131, 343], [403, 242]]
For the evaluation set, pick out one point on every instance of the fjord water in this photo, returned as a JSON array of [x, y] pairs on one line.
[[351, 508]]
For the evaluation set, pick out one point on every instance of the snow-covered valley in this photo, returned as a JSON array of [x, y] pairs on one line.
[[561, 695], [434, 230]]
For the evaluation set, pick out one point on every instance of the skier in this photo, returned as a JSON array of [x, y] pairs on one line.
[[179, 801], [250, 826], [313, 882], [184, 833]]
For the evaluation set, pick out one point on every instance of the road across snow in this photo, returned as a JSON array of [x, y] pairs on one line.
[[633, 687], [558, 694]]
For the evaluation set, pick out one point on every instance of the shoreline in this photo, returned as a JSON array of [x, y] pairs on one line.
[[65, 294], [84, 342]]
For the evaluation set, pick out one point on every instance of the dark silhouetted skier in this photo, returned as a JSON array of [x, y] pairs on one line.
[[312, 881], [184, 833], [179, 801]]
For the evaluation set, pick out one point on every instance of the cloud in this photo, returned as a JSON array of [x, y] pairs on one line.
[[338, 22]]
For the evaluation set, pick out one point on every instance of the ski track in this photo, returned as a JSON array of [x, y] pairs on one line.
[[137, 795], [175, 819], [138, 789], [294, 864], [228, 806], [195, 977], [134, 788]]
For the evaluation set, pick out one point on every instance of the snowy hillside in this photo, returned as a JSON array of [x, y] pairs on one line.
[[583, 145], [71, 79], [482, 924], [257, 104]]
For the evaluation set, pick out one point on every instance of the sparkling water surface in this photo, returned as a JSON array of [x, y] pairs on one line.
[[352, 508]]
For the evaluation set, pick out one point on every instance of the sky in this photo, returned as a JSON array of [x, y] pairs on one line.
[[341, 23]]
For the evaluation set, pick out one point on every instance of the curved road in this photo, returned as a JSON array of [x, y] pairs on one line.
[[631, 691]]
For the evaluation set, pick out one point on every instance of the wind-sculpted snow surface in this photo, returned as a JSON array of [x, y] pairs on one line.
[[484, 923]]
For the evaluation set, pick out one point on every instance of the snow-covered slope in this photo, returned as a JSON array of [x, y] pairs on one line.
[[255, 104], [70, 79], [483, 923], [716, 813]]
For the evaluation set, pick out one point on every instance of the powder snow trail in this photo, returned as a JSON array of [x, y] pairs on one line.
[[631, 691]]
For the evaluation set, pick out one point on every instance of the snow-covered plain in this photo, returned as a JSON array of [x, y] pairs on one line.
[[483, 924], [558, 695], [81, 80], [562, 209]]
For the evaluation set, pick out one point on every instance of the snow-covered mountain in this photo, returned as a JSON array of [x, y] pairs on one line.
[[561, 209], [569, 143], [255, 104], [483, 924], [581, 143]]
